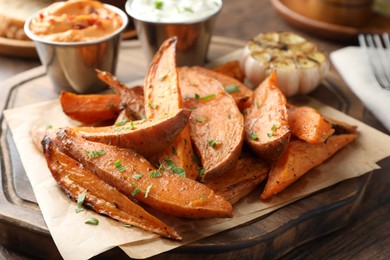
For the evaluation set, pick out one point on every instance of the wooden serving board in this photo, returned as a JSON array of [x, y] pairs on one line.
[[23, 227]]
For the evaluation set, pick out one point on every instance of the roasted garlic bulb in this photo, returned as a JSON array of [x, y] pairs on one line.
[[300, 66]]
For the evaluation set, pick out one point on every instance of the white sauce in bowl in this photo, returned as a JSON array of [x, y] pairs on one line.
[[172, 11]]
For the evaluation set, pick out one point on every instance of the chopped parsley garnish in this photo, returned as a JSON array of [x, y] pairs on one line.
[[137, 176], [172, 166], [208, 97], [213, 143], [270, 134], [148, 190], [49, 127], [201, 171], [195, 159], [188, 9], [118, 165], [128, 226], [155, 174], [92, 221], [202, 198], [174, 150], [197, 97], [151, 105], [80, 201], [110, 106], [253, 136], [121, 123], [158, 4], [135, 192], [95, 154], [232, 88]]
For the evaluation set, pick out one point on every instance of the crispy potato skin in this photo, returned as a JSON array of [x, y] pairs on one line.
[[243, 97], [246, 175], [168, 193], [216, 124], [132, 99], [267, 130], [90, 109], [231, 69], [146, 137], [308, 124], [75, 179], [163, 97], [298, 159]]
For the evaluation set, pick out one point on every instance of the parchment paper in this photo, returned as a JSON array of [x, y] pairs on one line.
[[77, 240]]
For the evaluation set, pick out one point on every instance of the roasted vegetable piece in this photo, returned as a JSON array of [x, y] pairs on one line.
[[300, 66], [163, 98], [298, 159], [308, 124], [132, 99], [266, 121], [242, 94], [76, 180], [231, 69], [216, 124], [90, 109], [146, 137], [134, 176], [235, 184]]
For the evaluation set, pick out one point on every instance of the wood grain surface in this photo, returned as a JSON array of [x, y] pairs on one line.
[[365, 235]]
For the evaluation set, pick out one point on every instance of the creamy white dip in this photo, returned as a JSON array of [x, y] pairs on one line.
[[173, 11]]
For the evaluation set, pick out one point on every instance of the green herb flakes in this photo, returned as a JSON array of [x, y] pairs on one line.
[[270, 134], [155, 174], [118, 165], [121, 123], [159, 5], [137, 176], [232, 88], [95, 154], [253, 136], [128, 226], [80, 201], [213, 143], [176, 170], [208, 97], [135, 192], [92, 221]]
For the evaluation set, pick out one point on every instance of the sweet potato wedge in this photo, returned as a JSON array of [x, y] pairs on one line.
[[243, 96], [90, 108], [308, 124], [216, 124], [134, 176], [163, 98], [132, 99], [340, 127], [76, 180], [231, 69], [235, 184], [266, 121], [298, 159], [146, 137]]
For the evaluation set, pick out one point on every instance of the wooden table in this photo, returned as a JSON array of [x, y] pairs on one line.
[[367, 235]]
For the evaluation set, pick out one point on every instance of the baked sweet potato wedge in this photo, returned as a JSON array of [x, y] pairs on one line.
[[242, 95], [135, 177], [298, 159], [308, 124], [76, 180], [90, 108], [235, 184], [216, 124], [267, 130], [163, 98], [231, 69], [132, 99], [146, 137]]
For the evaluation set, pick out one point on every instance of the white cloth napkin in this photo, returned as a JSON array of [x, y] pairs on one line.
[[353, 66]]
